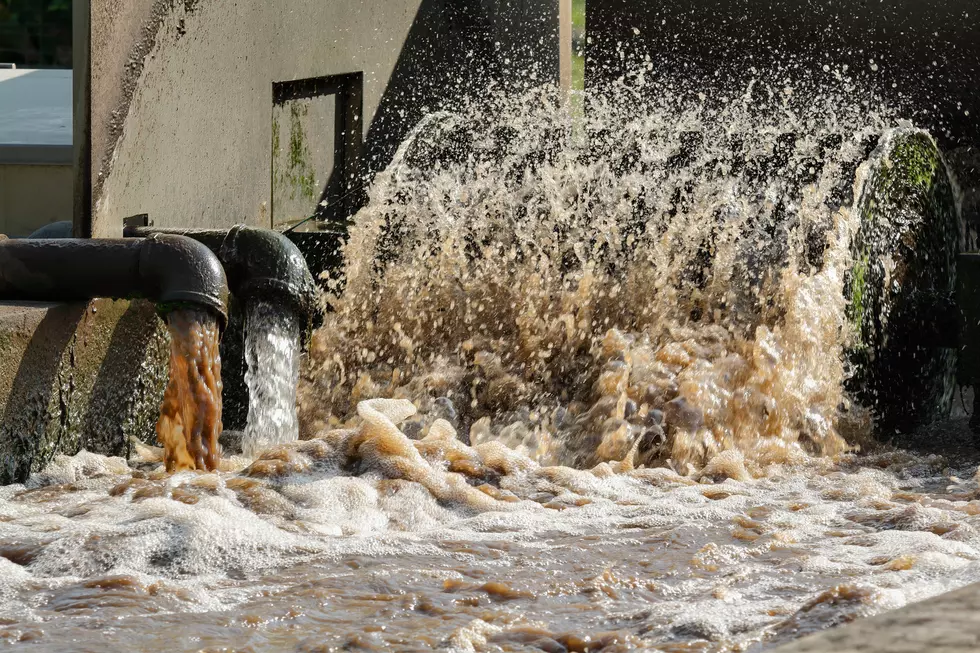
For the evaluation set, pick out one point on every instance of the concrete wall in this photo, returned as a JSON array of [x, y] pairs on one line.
[[181, 101], [76, 376], [32, 196], [922, 55]]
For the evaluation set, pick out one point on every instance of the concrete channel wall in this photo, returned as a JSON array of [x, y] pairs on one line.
[[949, 623], [76, 376]]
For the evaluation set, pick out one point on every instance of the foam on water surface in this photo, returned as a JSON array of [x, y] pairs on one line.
[[294, 550]]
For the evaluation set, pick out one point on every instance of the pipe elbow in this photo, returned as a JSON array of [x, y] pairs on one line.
[[176, 270], [268, 265], [260, 264], [168, 270]]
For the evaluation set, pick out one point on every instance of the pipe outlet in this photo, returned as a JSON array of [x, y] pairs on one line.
[[260, 264], [168, 270]]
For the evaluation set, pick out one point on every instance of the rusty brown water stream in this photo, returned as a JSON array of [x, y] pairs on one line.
[[190, 417]]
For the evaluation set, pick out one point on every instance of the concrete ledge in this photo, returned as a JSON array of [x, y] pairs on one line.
[[949, 623], [36, 155], [76, 376]]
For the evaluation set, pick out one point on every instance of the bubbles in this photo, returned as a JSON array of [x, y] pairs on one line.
[[272, 351], [434, 534]]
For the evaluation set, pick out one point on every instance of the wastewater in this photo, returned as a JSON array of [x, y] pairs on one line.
[[190, 415], [272, 359], [583, 386]]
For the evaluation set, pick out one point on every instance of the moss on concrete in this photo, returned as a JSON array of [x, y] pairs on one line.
[[904, 274], [77, 376], [295, 174]]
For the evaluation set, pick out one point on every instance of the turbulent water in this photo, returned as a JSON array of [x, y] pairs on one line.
[[190, 417], [581, 389], [565, 288], [272, 352]]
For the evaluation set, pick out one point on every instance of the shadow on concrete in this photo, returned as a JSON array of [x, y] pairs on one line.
[[952, 439], [121, 385], [25, 417], [454, 50], [920, 56]]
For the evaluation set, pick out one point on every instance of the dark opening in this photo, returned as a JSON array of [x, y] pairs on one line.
[[343, 193]]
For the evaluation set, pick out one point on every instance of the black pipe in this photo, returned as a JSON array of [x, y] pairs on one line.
[[166, 269], [260, 264]]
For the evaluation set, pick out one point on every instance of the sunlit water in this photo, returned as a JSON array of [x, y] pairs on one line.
[[582, 390], [190, 416], [272, 352]]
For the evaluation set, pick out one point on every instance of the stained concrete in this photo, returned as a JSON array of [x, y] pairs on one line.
[[77, 376], [949, 623], [181, 91]]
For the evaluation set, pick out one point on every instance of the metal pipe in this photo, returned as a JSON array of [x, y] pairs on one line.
[[169, 270], [260, 263]]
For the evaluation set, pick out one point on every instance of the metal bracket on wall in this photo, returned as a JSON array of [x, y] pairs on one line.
[[343, 193]]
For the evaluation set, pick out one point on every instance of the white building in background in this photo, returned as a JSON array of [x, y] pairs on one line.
[[35, 149]]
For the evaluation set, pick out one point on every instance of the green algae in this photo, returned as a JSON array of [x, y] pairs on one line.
[[905, 267]]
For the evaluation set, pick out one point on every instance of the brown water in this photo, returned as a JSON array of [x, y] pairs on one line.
[[190, 416], [582, 390], [294, 554]]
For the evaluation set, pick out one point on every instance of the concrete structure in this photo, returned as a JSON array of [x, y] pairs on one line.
[[209, 113], [35, 149], [945, 624], [77, 376]]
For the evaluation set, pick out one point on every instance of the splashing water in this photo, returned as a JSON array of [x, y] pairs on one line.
[[190, 416], [666, 285], [272, 350], [582, 390]]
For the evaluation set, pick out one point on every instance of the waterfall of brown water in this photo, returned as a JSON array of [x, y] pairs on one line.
[[190, 416]]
